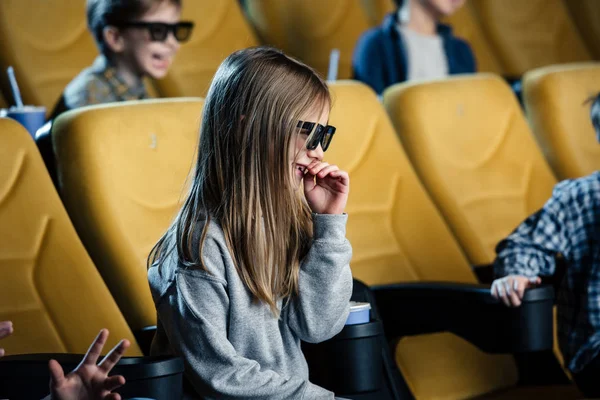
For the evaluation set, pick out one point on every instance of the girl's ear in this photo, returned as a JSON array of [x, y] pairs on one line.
[[113, 39]]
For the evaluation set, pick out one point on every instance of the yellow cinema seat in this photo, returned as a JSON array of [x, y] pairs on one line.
[[466, 26], [474, 152], [398, 235], [586, 16], [122, 169], [47, 43], [310, 29], [530, 34], [554, 99], [375, 10], [49, 286], [220, 29]]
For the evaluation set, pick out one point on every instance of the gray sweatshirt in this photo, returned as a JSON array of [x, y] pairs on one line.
[[232, 345]]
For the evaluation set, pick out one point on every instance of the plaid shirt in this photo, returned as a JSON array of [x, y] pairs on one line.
[[569, 224], [100, 83]]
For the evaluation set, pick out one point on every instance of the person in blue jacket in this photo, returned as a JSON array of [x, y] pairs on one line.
[[412, 44]]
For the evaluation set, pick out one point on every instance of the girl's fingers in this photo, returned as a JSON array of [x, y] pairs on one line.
[[327, 170], [342, 176], [315, 169]]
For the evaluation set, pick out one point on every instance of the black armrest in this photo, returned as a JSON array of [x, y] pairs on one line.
[[484, 273], [470, 312], [26, 376], [144, 338]]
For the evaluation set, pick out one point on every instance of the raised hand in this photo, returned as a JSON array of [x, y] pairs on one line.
[[6, 329], [326, 188], [89, 381]]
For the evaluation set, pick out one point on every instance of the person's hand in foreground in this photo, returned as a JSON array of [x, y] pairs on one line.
[[6, 329], [89, 381]]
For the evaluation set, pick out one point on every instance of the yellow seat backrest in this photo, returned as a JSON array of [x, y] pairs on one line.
[[375, 10], [310, 29], [586, 15], [49, 286], [122, 169], [473, 150], [554, 98], [48, 44], [220, 29], [398, 235], [466, 26], [530, 34]]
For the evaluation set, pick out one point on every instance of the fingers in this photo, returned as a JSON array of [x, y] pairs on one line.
[[6, 329], [342, 176], [536, 280], [327, 171], [520, 288], [511, 289], [57, 375], [315, 167], [113, 396], [1, 352], [114, 356], [113, 382], [91, 357]]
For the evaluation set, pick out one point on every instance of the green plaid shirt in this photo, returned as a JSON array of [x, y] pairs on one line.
[[100, 83]]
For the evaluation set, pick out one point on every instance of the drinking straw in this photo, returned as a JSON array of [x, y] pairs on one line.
[[14, 87]]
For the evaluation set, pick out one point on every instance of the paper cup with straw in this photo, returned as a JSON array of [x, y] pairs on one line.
[[31, 117]]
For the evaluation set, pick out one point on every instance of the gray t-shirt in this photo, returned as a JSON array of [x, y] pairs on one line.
[[233, 346], [426, 57]]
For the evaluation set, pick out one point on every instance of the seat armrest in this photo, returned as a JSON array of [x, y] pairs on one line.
[[484, 273], [469, 311], [144, 338]]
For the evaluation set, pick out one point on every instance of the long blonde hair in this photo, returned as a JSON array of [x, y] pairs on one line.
[[243, 177]]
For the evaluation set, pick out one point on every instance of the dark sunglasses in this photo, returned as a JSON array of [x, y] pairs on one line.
[[160, 30], [322, 134]]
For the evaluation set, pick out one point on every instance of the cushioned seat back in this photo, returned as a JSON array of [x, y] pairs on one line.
[[122, 169], [220, 29], [49, 286], [48, 44], [466, 26], [530, 34], [310, 29], [586, 16], [471, 146], [375, 10], [554, 98], [398, 235]]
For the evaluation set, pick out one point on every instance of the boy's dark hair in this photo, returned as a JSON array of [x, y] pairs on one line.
[[103, 13]]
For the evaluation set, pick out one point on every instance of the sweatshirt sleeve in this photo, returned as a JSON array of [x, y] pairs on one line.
[[325, 282], [195, 319]]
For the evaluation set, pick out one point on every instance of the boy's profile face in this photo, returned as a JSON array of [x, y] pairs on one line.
[[144, 56]]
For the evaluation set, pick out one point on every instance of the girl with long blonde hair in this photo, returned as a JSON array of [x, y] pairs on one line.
[[257, 259]]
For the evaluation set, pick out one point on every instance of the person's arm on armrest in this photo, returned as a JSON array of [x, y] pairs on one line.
[[531, 250]]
